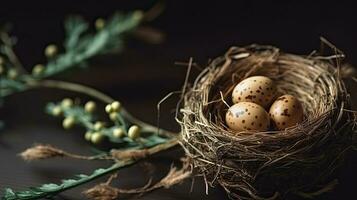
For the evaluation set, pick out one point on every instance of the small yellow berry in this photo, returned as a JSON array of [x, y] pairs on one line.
[[108, 108], [68, 122], [12, 74], [88, 135], [2, 69], [98, 126], [134, 132], [116, 106], [38, 69], [99, 23], [113, 116], [97, 137], [67, 102], [118, 132], [51, 50], [138, 14], [57, 111], [90, 106]]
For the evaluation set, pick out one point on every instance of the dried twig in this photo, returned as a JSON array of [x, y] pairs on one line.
[[173, 177], [39, 152]]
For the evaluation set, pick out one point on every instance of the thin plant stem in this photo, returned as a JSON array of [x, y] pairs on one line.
[[164, 146], [74, 87]]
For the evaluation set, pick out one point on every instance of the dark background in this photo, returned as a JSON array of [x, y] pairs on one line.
[[144, 73]]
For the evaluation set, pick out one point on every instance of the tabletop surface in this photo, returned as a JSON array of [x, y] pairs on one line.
[[144, 73]]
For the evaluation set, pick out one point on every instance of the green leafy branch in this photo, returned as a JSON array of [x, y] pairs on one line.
[[127, 137], [51, 189], [80, 45], [135, 139]]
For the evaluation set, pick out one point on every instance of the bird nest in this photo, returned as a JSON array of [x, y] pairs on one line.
[[271, 164]]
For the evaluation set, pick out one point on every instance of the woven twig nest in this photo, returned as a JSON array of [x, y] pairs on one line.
[[272, 164]]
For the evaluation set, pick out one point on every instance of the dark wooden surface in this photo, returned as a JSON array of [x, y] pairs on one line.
[[145, 73]]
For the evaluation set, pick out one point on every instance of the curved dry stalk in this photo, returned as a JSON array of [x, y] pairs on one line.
[[143, 153], [173, 177]]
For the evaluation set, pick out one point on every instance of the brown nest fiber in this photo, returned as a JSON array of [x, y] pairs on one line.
[[273, 164]]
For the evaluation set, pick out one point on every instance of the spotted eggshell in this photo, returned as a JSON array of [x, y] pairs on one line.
[[247, 116], [257, 89], [286, 111]]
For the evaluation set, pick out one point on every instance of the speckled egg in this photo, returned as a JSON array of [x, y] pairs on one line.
[[257, 89], [286, 111], [247, 116]]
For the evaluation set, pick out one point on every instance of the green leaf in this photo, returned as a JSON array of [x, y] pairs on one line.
[[11, 84], [74, 26], [82, 176], [48, 187], [9, 194], [69, 181]]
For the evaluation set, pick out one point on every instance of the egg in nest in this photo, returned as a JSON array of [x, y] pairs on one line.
[[257, 89], [286, 111], [247, 116]]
